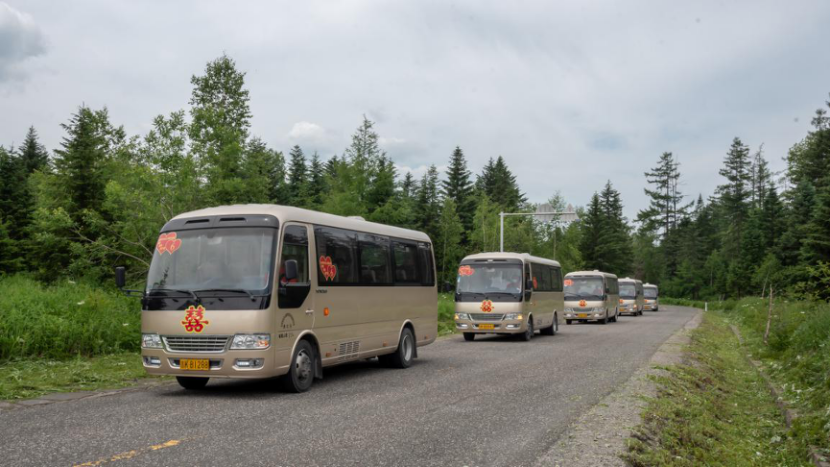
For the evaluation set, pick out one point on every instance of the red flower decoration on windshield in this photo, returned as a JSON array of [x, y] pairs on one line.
[[194, 319], [168, 243]]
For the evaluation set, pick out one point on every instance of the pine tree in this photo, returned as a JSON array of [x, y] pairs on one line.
[[317, 185], [428, 206], [221, 116], [297, 178], [499, 184], [593, 236], [459, 188], [760, 178], [257, 168], [81, 163], [15, 199], [734, 196], [616, 247], [32, 153], [665, 206], [447, 244], [381, 184]]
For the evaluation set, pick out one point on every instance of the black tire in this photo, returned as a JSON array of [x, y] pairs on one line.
[[190, 382], [616, 315], [405, 353], [528, 334], [604, 320], [568, 322], [300, 375], [551, 330], [469, 336]]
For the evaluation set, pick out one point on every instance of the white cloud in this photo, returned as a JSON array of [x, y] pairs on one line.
[[305, 131], [20, 40]]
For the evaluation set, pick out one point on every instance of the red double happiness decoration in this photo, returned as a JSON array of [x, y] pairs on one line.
[[194, 319]]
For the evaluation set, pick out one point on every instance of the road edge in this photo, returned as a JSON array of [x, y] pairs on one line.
[[598, 437]]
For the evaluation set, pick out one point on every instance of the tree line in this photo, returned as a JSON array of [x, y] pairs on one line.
[[100, 198]]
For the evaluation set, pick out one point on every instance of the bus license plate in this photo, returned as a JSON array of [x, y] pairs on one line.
[[486, 326], [583, 315], [197, 364]]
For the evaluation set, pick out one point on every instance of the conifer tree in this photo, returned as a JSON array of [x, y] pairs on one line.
[[33, 154], [500, 185], [428, 206], [734, 195], [447, 244], [459, 188], [15, 198], [317, 181], [298, 190]]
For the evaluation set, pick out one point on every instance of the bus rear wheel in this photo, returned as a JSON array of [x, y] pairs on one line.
[[190, 382], [301, 373], [403, 356], [469, 336], [550, 331]]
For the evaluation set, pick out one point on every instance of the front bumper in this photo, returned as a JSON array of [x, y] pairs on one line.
[[272, 362], [584, 315], [491, 327]]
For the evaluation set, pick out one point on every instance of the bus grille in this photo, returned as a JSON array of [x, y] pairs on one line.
[[196, 344], [486, 316]]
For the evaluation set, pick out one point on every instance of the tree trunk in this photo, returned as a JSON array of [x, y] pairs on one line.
[[769, 316]]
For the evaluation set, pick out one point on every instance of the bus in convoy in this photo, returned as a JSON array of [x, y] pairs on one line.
[[631, 297], [651, 299], [508, 293], [257, 291], [591, 296]]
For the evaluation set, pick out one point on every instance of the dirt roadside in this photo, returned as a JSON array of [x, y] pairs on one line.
[[598, 437]]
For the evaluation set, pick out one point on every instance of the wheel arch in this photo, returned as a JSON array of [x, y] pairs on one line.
[[407, 323], [309, 336]]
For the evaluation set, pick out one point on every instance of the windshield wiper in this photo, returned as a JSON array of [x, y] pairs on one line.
[[189, 292], [247, 292]]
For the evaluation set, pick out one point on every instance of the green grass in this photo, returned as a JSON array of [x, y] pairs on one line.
[[25, 379], [446, 313], [797, 357], [715, 410], [64, 320]]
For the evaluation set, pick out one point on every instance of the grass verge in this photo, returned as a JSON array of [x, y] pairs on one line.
[[714, 409], [446, 312], [26, 379]]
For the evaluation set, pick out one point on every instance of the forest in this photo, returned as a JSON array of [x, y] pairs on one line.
[[99, 200]]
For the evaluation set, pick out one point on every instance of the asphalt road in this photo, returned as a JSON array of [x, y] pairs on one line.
[[495, 401]]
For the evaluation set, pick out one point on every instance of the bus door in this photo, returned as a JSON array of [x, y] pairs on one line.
[[294, 298]]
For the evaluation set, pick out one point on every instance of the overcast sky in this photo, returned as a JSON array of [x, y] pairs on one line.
[[570, 93]]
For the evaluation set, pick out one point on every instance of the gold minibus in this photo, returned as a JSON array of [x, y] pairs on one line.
[[651, 299], [508, 293], [631, 297], [256, 291], [591, 296]]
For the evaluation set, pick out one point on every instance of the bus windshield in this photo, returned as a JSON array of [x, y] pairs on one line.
[[231, 259], [489, 278], [583, 288], [650, 292], [628, 291]]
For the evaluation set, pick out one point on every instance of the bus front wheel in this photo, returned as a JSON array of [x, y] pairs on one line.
[[189, 382], [469, 336], [528, 334], [300, 375]]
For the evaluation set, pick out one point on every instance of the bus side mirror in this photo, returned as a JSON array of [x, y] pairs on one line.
[[120, 276], [291, 270]]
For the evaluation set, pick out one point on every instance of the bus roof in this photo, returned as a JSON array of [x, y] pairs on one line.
[[592, 273], [649, 285], [629, 279], [288, 214], [520, 256]]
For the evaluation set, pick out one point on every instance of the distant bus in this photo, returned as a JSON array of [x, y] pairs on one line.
[[256, 291], [652, 301], [591, 296], [631, 296], [508, 293]]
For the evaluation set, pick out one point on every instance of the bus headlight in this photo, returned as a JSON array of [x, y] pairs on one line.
[[597, 309], [251, 341], [462, 316], [513, 316], [151, 341]]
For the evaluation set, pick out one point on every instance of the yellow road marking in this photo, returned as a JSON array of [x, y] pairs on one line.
[[130, 454]]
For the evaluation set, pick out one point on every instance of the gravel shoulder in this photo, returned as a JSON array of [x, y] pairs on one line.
[[598, 437]]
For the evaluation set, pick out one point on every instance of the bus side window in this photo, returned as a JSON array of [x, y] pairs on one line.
[[556, 274], [336, 249], [406, 263], [427, 265], [374, 260]]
